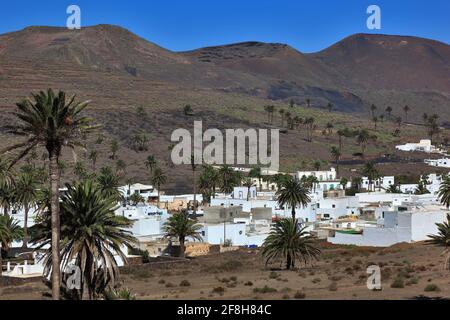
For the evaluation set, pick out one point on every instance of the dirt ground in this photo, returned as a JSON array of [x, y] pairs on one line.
[[339, 274]]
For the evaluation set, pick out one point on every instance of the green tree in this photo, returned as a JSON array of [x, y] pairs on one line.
[[330, 107], [188, 111], [406, 109], [52, 121], [180, 226], [248, 183], [108, 183], [373, 108], [362, 138], [151, 163], [136, 198], [444, 192], [371, 172], [289, 242], [159, 178], [228, 179], [292, 194], [9, 231], [389, 111], [336, 154], [91, 236], [26, 194]]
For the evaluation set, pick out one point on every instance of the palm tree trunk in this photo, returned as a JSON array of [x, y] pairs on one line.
[[182, 248], [54, 207], [195, 194], [1, 261], [293, 213], [158, 196], [288, 262], [25, 228]]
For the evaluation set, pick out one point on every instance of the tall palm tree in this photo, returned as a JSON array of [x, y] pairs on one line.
[[228, 179], [52, 121], [330, 107], [180, 226], [7, 198], [389, 111], [371, 172], [9, 232], [248, 183], [362, 138], [292, 194], [159, 178], [443, 239], [91, 235], [108, 183], [27, 195], [151, 163], [336, 154], [289, 242]]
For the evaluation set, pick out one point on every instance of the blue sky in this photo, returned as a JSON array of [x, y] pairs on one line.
[[188, 24]]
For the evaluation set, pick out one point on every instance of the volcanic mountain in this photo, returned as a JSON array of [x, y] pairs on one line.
[[352, 74]]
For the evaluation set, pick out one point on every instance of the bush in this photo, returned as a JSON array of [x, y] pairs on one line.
[[316, 280], [299, 295], [398, 283], [248, 284], [185, 283], [138, 252], [169, 285], [333, 286], [274, 275], [161, 281], [432, 288], [265, 289], [218, 290], [230, 265]]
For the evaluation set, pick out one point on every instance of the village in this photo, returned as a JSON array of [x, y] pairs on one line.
[[371, 211]]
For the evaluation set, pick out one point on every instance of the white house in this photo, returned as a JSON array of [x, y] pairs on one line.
[[148, 192], [406, 224], [442, 163], [380, 183], [423, 146], [326, 175]]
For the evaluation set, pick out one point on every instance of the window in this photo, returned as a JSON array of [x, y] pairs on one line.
[[326, 215], [240, 232], [333, 206], [203, 233], [241, 194]]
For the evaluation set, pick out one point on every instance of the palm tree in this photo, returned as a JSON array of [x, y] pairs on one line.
[[248, 183], [373, 108], [371, 172], [375, 122], [389, 111], [289, 242], [228, 179], [80, 170], [393, 189], [53, 121], [26, 194], [443, 239], [257, 174], [292, 194], [114, 147], [329, 128], [151, 163], [108, 183], [121, 167], [317, 164], [308, 102], [330, 107], [6, 173], [194, 182], [398, 121], [159, 178], [136, 198], [91, 235], [444, 192], [9, 231], [406, 109], [336, 154], [7, 198], [362, 138], [180, 226]]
